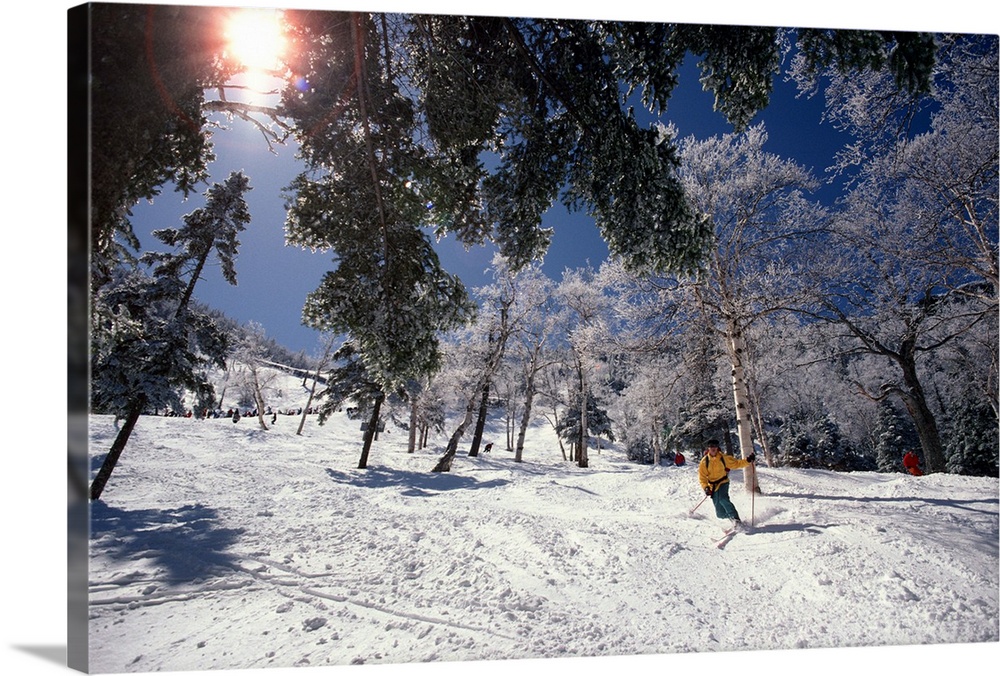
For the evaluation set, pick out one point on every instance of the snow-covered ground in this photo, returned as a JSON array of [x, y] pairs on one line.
[[221, 545]]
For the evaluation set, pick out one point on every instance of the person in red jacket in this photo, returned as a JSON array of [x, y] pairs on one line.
[[678, 458], [713, 474], [912, 463]]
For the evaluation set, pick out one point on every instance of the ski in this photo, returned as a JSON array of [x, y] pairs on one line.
[[726, 537]]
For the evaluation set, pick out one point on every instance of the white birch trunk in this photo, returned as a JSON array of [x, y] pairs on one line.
[[741, 396]]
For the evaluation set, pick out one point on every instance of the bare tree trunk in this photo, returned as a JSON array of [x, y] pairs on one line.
[[412, 442], [477, 436], [657, 451], [254, 386], [108, 466], [509, 425], [490, 369], [305, 409], [552, 418], [370, 431], [258, 397], [923, 418], [444, 464], [529, 398], [312, 391], [765, 443]]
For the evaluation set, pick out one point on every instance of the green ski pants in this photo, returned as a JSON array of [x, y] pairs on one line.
[[724, 507]]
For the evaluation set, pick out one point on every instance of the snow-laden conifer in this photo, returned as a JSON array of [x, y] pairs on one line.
[[150, 341]]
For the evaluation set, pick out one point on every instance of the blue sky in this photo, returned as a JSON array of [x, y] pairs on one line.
[[273, 279]]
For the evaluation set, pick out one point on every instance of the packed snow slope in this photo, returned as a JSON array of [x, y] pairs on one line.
[[221, 545]]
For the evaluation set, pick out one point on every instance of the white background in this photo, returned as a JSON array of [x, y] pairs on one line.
[[34, 336]]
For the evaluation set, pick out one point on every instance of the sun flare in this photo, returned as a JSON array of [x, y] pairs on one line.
[[255, 38]]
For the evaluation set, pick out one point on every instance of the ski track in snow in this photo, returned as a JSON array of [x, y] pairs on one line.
[[219, 545]]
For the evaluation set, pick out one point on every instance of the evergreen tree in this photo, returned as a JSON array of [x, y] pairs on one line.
[[973, 440], [145, 131], [351, 380], [831, 447], [599, 423], [149, 340], [891, 439], [810, 438], [794, 445], [554, 99], [640, 451], [361, 198]]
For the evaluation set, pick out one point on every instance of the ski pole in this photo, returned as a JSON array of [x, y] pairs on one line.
[[695, 508]]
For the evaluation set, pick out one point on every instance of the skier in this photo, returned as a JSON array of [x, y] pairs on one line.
[[912, 463], [678, 458], [713, 473]]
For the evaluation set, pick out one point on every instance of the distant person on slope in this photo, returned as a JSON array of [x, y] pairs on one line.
[[912, 463], [713, 473], [678, 458]]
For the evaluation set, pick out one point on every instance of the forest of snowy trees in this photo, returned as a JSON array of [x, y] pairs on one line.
[[734, 304], [666, 387]]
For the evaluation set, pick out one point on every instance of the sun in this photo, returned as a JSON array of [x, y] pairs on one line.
[[255, 38]]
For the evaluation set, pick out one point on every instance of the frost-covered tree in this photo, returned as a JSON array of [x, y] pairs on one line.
[[762, 224], [811, 438], [326, 354], [554, 99], [427, 406], [890, 303], [485, 345], [597, 420], [973, 440], [149, 340], [669, 338], [254, 378], [917, 237], [394, 114], [539, 318], [799, 364], [890, 437], [581, 292], [941, 175], [643, 409]]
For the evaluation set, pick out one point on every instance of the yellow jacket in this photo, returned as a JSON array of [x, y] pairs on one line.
[[713, 471]]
